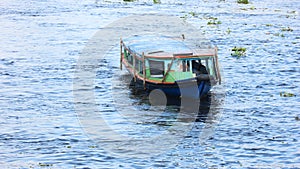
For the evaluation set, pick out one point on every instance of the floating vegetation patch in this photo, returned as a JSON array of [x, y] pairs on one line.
[[156, 1], [287, 29], [269, 24], [292, 12], [189, 14], [238, 51], [193, 13], [286, 94], [128, 0], [279, 34], [184, 16], [213, 21], [243, 1], [228, 31], [45, 165]]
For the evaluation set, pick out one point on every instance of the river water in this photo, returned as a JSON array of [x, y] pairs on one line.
[[250, 124]]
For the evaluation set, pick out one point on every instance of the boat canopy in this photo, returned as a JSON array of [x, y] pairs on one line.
[[164, 47]]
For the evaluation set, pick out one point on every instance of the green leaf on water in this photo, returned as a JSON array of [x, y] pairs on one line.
[[287, 29], [286, 94], [213, 21], [156, 1], [279, 34], [238, 51], [45, 165], [242, 1], [228, 31]]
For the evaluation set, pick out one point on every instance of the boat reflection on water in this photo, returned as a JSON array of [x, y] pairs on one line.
[[200, 109], [151, 114]]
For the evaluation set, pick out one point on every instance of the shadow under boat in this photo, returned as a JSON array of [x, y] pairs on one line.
[[201, 106]]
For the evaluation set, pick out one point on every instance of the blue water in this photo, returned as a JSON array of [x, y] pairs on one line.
[[251, 127]]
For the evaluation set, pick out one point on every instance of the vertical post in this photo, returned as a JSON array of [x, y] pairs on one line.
[[121, 57], [133, 67], [217, 64], [144, 72]]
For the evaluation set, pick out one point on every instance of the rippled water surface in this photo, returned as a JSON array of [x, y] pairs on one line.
[[253, 126]]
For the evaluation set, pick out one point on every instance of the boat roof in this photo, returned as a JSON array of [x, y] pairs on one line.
[[165, 47]]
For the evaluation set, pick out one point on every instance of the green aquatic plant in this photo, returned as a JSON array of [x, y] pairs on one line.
[[279, 34], [287, 29], [228, 31], [128, 0], [238, 51], [242, 1], [213, 21], [212, 18], [156, 1], [184, 17], [269, 24], [192, 13], [45, 165], [292, 12], [286, 94]]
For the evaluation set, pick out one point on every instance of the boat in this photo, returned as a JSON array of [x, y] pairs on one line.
[[171, 65]]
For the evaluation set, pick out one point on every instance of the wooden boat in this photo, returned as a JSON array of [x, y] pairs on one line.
[[169, 64]]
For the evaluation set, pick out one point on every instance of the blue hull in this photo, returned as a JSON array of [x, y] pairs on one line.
[[189, 88], [197, 91]]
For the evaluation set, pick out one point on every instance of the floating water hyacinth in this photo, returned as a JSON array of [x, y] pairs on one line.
[[279, 34], [192, 13], [45, 165], [213, 21], [238, 51], [228, 31], [156, 1], [287, 29], [286, 94], [243, 1]]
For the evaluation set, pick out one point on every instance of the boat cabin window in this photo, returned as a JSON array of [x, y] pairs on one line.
[[139, 66], [184, 65], [211, 66], [130, 58], [204, 66], [156, 68], [198, 67]]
